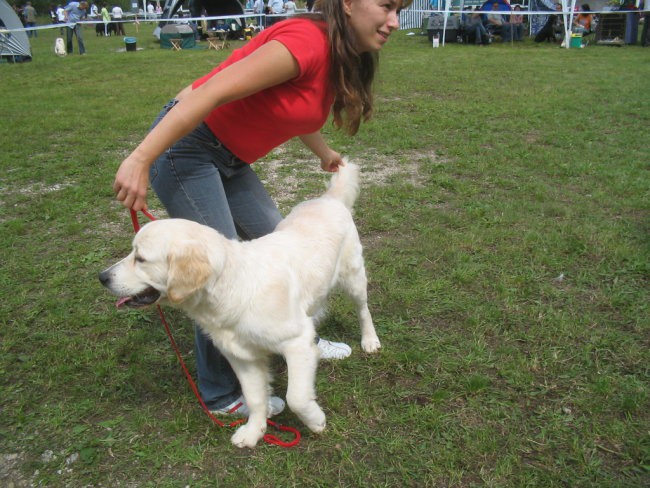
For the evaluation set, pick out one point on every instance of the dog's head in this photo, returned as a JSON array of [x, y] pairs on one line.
[[169, 261]]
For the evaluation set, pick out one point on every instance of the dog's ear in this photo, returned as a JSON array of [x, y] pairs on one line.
[[189, 270]]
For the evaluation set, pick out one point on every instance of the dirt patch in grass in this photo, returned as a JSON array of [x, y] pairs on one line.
[[10, 473], [286, 174]]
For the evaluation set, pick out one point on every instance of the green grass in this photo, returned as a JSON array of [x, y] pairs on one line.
[[505, 218]]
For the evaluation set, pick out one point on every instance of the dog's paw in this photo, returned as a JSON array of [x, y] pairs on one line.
[[247, 436], [370, 344], [318, 425]]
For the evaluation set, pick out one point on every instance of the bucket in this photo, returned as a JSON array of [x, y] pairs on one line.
[[131, 43], [576, 40]]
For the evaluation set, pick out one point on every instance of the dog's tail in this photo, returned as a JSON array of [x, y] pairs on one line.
[[344, 185]]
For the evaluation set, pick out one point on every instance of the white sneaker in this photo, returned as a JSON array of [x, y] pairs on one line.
[[333, 350], [239, 407]]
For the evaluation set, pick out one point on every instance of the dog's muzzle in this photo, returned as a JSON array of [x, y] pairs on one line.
[[144, 298]]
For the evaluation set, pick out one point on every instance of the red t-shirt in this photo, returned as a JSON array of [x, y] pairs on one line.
[[253, 126]]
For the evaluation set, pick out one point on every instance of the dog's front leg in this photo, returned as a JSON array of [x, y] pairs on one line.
[[254, 380]]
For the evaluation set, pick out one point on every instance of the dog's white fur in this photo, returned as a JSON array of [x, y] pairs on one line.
[[259, 297], [59, 47]]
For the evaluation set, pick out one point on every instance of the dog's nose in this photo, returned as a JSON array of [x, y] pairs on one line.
[[104, 277]]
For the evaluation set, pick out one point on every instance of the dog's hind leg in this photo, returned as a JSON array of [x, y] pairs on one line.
[[302, 361], [352, 278], [254, 379]]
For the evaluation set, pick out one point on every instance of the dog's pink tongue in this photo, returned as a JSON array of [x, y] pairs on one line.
[[121, 301]]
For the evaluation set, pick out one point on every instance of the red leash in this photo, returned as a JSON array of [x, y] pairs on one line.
[[268, 438]]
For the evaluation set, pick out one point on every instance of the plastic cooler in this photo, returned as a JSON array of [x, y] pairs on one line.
[[131, 43], [576, 40]]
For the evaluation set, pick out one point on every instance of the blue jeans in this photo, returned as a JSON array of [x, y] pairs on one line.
[[31, 33], [77, 31], [201, 180], [479, 31], [506, 32]]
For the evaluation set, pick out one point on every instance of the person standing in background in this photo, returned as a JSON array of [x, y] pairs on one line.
[[517, 24], [29, 14], [106, 18], [290, 7], [74, 13], [117, 13], [60, 16], [275, 6], [258, 8], [645, 34]]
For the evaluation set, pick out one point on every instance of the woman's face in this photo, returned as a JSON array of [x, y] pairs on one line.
[[372, 21]]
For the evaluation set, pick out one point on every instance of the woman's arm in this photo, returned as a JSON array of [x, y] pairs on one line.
[[330, 160], [269, 65]]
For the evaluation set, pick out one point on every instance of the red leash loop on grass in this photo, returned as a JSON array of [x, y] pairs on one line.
[[268, 438], [272, 439]]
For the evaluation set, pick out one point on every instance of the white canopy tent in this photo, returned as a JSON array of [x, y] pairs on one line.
[[445, 6]]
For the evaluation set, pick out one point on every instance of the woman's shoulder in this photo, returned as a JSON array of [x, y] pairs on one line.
[[295, 31], [298, 24], [305, 38]]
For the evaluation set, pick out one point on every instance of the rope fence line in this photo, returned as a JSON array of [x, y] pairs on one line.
[[175, 20], [535, 18], [418, 12], [411, 18], [530, 12]]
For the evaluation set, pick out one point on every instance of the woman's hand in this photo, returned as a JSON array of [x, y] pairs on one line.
[[269, 65], [332, 162], [131, 183]]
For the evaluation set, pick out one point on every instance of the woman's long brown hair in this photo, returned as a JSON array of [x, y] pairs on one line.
[[351, 72]]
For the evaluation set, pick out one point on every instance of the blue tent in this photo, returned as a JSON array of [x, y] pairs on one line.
[[503, 5]]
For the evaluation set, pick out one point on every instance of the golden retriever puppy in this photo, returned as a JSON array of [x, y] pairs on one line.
[[258, 297]]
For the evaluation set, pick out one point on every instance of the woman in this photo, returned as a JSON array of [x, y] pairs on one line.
[[517, 24], [106, 18], [582, 21], [474, 26], [282, 84]]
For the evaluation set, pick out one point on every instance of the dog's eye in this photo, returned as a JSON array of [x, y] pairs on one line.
[[139, 259]]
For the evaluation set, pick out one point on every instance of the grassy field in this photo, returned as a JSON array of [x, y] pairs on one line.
[[505, 218]]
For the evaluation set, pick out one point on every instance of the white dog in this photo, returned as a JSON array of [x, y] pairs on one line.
[[257, 297], [59, 47]]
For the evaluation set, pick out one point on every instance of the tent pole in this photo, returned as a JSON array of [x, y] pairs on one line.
[[444, 22]]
